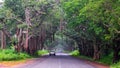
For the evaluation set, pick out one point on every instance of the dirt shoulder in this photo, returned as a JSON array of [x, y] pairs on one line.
[[96, 64], [4, 64]]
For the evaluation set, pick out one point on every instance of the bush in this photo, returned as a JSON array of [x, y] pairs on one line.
[[117, 65], [75, 53], [107, 59], [42, 52], [9, 54], [24, 56]]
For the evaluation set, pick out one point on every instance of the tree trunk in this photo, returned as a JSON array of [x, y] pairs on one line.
[[19, 42], [26, 41], [115, 55], [116, 48], [28, 22], [3, 40], [96, 51]]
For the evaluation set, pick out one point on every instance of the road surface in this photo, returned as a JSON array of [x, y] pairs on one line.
[[59, 61]]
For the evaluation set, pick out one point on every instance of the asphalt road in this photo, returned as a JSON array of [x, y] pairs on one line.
[[59, 61]]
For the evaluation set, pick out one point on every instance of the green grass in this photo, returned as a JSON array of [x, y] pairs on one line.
[[42, 52], [9, 54], [117, 65]]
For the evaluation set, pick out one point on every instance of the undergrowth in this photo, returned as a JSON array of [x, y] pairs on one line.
[[9, 54]]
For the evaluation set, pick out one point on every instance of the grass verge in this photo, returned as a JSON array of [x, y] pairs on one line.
[[13, 62]]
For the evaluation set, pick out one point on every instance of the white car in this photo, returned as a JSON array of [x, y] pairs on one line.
[[52, 53]]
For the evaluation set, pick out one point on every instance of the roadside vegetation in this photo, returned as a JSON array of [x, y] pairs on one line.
[[75, 53], [12, 55], [42, 52], [104, 60], [95, 27], [9, 54], [117, 65]]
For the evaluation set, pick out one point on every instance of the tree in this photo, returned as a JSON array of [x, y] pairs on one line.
[[94, 21], [28, 20]]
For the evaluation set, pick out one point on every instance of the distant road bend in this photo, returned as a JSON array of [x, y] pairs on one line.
[[60, 61]]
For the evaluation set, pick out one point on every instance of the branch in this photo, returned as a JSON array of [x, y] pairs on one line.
[[117, 31], [6, 33]]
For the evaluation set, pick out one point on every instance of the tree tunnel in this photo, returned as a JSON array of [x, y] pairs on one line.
[[31, 25]]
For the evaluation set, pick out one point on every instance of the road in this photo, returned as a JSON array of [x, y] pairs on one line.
[[59, 61]]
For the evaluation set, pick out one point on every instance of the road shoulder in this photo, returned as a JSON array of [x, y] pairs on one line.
[[93, 63]]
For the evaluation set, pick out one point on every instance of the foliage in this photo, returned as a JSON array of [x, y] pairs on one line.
[[117, 65], [16, 7], [44, 17], [93, 24], [75, 53], [106, 59], [42, 52], [9, 54]]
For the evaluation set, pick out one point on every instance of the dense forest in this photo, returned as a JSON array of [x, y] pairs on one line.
[[31, 25]]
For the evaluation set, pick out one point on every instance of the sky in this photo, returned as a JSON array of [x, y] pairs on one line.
[[1, 0]]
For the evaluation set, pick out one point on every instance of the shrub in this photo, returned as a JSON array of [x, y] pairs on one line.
[[106, 59], [9, 54], [117, 65], [24, 55], [42, 52], [75, 53]]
